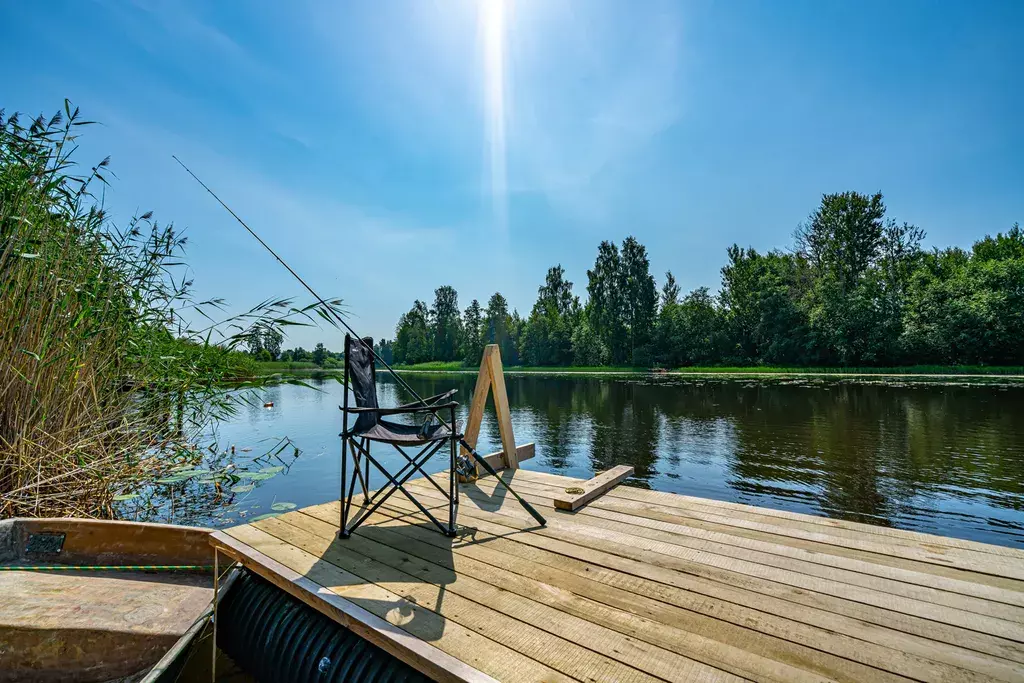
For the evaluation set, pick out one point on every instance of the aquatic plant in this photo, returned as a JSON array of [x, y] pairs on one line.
[[107, 382]]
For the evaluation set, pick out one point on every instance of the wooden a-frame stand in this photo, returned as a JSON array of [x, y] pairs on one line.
[[491, 379]]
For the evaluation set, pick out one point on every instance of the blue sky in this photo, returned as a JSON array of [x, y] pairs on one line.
[[387, 148]]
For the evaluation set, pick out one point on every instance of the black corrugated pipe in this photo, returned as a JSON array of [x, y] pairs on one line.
[[276, 638]]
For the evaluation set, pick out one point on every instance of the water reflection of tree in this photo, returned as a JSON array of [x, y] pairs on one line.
[[627, 427], [864, 451]]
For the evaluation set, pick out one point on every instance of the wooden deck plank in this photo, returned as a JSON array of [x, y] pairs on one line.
[[607, 553], [730, 509], [648, 586], [969, 560], [559, 654], [824, 650], [666, 513], [494, 557], [590, 489], [917, 583], [371, 541], [719, 515], [854, 638], [299, 581], [673, 556]]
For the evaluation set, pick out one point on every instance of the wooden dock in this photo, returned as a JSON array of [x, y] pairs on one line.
[[646, 586]]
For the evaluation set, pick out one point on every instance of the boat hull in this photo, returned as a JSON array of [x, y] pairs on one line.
[[79, 624]]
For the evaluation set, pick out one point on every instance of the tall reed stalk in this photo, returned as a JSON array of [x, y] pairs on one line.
[[102, 379]]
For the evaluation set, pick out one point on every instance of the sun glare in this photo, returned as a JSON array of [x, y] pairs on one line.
[[492, 19]]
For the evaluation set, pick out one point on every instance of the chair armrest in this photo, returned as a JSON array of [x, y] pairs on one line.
[[404, 409]]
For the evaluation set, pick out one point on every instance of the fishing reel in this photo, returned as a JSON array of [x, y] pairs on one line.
[[465, 467]]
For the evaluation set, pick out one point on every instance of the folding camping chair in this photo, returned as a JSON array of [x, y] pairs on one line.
[[431, 436]]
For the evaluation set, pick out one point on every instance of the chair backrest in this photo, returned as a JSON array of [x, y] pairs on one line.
[[361, 376]]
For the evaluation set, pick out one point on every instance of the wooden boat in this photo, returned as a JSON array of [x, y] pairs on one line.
[[89, 600]]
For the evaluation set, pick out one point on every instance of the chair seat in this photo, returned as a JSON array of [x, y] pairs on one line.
[[393, 432]]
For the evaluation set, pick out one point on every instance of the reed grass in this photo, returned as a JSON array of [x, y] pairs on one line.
[[104, 383]]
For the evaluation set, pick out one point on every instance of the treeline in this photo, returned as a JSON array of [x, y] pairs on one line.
[[855, 289], [265, 346]]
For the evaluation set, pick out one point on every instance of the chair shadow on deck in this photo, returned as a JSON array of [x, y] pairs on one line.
[[399, 569]]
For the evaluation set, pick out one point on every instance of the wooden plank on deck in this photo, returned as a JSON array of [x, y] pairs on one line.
[[412, 650], [587, 491], [646, 586]]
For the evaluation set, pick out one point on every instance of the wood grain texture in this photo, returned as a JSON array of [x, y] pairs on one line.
[[590, 489], [639, 587], [491, 379], [377, 630]]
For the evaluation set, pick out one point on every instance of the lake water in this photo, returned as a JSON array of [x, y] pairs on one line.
[[944, 459]]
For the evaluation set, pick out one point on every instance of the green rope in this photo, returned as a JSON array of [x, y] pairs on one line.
[[116, 568]]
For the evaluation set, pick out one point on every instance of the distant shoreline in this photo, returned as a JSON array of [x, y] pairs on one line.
[[918, 372]]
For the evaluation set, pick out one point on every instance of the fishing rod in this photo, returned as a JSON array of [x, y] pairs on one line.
[[405, 385]]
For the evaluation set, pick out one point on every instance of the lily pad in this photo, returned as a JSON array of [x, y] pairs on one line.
[[264, 516], [281, 506], [172, 480], [244, 488], [125, 496], [273, 470], [256, 476]]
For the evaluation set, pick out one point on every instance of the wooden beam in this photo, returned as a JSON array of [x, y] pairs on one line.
[[492, 378], [578, 496], [501, 409], [497, 459], [414, 651], [476, 407]]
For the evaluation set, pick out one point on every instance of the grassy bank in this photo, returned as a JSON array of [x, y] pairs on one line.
[[911, 370], [270, 367]]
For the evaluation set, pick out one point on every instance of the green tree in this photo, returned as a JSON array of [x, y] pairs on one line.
[[412, 336], [272, 342], [510, 350], [446, 326], [385, 350], [689, 332], [965, 308], [861, 265], [587, 348], [547, 335], [472, 334], [670, 290], [254, 342], [843, 236], [499, 328], [639, 300], [605, 307], [319, 353], [1001, 247], [761, 313]]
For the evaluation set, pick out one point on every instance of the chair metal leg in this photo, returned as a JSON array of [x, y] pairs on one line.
[[366, 476], [343, 526], [398, 484], [453, 487]]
